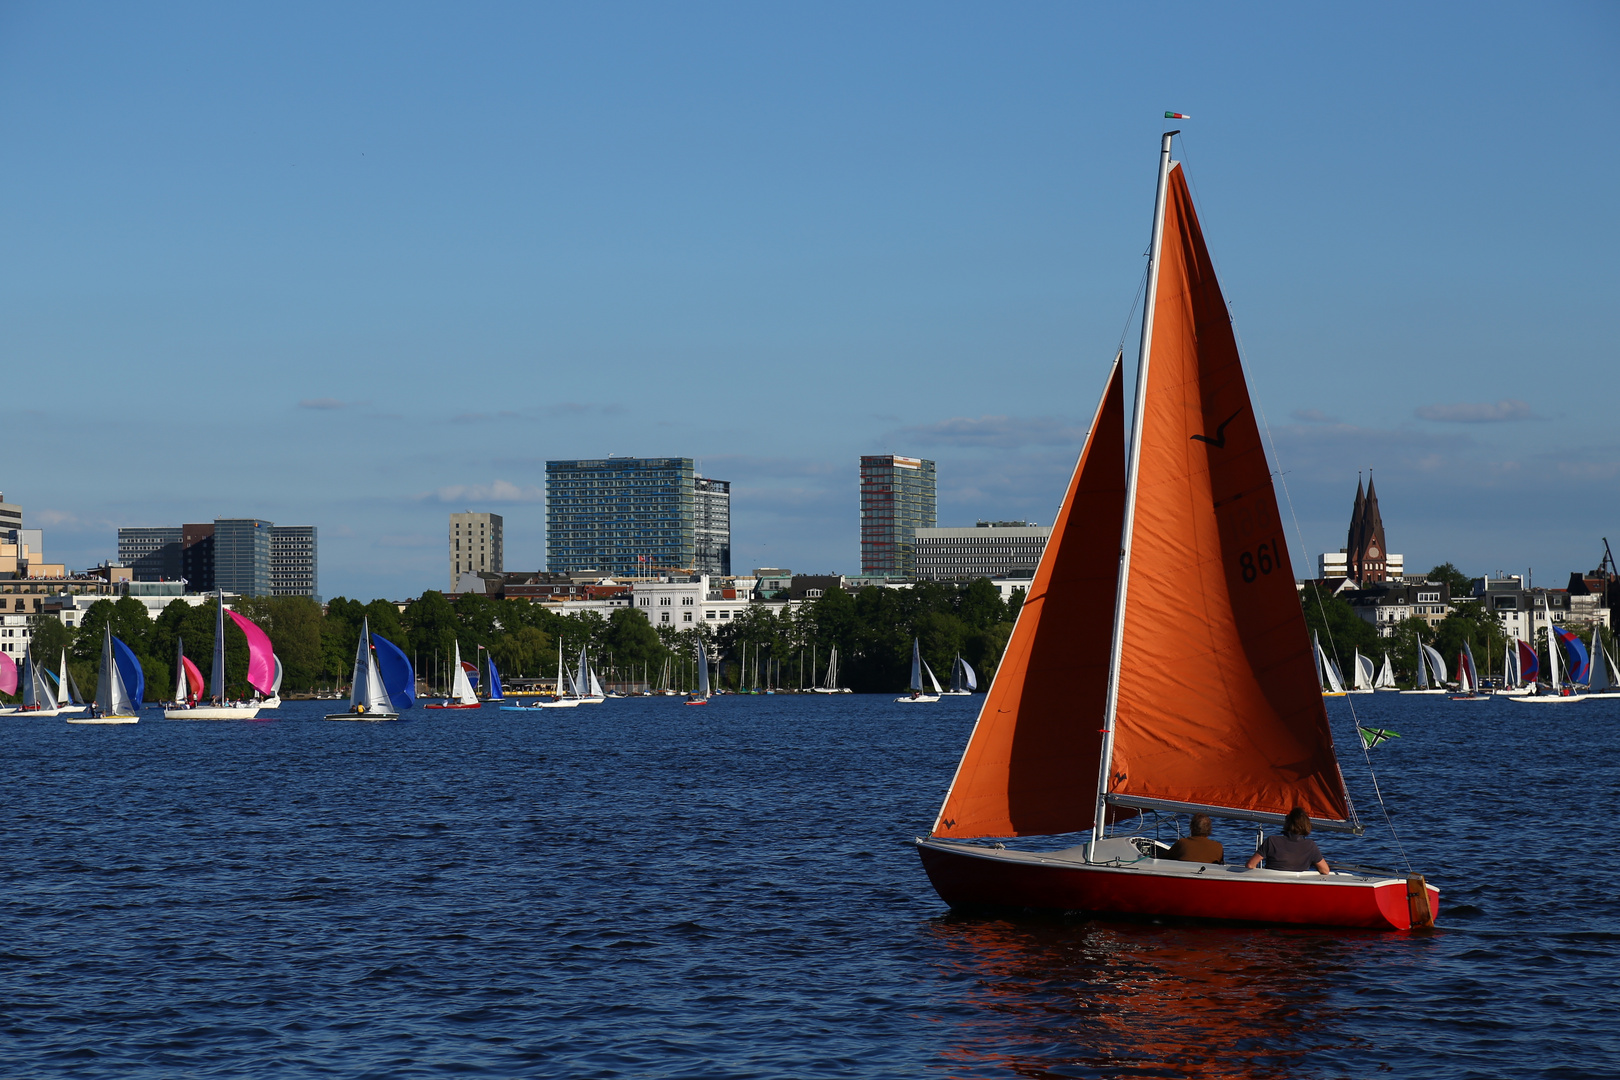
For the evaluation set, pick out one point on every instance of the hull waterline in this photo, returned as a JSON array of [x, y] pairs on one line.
[[1135, 886]]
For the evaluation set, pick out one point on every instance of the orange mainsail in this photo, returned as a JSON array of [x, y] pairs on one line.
[[1218, 703], [1030, 767]]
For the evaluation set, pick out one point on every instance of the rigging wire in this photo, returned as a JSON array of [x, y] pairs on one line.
[[1299, 534]]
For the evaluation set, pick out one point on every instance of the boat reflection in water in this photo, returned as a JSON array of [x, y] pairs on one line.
[[1060, 997]]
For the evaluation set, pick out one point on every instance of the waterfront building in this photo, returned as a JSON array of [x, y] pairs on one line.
[[477, 545], [152, 552], [1386, 606], [294, 563], [629, 517], [246, 556], [10, 517], [242, 556], [989, 549], [1366, 556], [711, 525], [897, 499]]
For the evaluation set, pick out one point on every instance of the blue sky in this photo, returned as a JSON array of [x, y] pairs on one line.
[[361, 266]]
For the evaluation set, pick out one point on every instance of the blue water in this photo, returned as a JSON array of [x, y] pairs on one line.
[[642, 889]]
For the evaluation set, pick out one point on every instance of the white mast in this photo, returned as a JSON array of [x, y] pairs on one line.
[[1132, 469]]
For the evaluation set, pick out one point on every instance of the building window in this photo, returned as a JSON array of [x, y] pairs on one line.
[[708, 614], [812, 593], [664, 617], [687, 617], [688, 601], [664, 601]]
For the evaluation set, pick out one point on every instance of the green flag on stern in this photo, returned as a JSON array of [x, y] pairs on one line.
[[1371, 736]]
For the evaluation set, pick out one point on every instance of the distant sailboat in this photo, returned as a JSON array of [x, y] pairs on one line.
[[495, 691], [560, 699], [1560, 693], [1386, 676], [37, 697], [702, 695], [1429, 662], [1523, 668], [1327, 671], [918, 667], [462, 695], [963, 680], [188, 678], [1605, 676], [261, 673], [68, 698], [1363, 675], [119, 686], [830, 684], [383, 681], [1468, 677]]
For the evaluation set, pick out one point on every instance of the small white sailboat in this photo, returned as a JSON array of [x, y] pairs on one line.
[[1386, 676], [68, 698], [963, 680], [462, 695], [918, 667], [1327, 671], [1364, 675], [37, 696], [830, 684], [560, 700], [702, 695], [369, 699], [1429, 661], [1605, 681], [116, 701], [586, 684]]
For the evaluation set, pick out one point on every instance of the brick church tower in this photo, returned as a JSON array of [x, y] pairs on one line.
[[1365, 552]]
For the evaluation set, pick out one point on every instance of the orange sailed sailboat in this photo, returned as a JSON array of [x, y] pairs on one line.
[[1160, 664]]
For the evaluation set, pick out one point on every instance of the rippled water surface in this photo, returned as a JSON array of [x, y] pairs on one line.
[[644, 889]]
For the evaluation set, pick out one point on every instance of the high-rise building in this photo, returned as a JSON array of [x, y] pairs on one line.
[[989, 549], [294, 565], [242, 556], [711, 526], [628, 516], [152, 553], [10, 518], [197, 556], [897, 499], [476, 546]]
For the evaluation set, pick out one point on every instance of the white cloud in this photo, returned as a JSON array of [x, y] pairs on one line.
[[1001, 432], [500, 491], [1477, 412]]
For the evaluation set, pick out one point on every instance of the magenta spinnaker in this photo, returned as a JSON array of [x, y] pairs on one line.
[[261, 657]]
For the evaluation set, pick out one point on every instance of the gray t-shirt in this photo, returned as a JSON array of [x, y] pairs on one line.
[[1284, 852]]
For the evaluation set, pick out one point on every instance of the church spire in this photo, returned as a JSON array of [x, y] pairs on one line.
[[1352, 544], [1374, 552]]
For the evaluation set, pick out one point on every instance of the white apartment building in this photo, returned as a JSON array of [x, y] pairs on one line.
[[989, 549], [476, 545]]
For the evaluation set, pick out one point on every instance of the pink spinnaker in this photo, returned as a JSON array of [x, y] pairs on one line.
[[194, 678], [8, 674], [261, 657]]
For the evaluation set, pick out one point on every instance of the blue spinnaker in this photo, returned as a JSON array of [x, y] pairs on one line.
[[495, 693], [399, 679], [129, 669], [1580, 664]]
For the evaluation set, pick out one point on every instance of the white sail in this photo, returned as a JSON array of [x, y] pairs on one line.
[[369, 690], [275, 687], [931, 680], [1364, 672], [1386, 676], [216, 681], [702, 670], [596, 685], [1437, 664], [460, 686], [182, 692], [112, 697], [36, 689], [967, 674], [1555, 675], [916, 666], [64, 683], [1327, 671]]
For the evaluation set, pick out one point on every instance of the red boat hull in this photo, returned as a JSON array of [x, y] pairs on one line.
[[455, 705], [973, 877]]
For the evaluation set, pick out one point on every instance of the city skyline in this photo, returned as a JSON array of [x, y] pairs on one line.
[[933, 254]]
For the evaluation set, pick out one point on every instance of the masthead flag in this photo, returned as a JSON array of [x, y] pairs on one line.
[[1176, 116]]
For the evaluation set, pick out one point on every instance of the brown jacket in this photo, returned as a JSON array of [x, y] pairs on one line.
[[1198, 849]]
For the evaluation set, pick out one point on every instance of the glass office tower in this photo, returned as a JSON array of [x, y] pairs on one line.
[[897, 499], [628, 516]]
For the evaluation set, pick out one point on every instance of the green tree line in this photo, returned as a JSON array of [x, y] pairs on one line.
[[872, 630]]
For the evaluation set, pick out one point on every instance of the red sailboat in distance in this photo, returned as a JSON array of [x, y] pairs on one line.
[[1161, 662]]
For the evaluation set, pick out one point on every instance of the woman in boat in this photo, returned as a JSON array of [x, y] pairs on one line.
[[1293, 849]]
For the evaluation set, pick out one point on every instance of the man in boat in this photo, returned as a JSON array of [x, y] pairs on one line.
[[1199, 847], [1292, 849]]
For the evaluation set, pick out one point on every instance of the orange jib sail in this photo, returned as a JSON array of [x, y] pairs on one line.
[[1218, 702], [1033, 758]]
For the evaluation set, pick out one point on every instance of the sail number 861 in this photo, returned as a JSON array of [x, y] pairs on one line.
[[1262, 560]]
